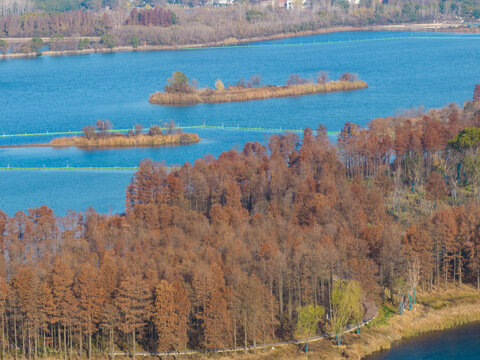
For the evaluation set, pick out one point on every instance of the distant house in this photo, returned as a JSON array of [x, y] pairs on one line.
[[292, 4], [265, 3], [223, 2]]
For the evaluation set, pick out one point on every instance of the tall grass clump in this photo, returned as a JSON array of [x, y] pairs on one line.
[[120, 140]]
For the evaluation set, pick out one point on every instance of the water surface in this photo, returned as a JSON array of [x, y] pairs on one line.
[[460, 343], [66, 93]]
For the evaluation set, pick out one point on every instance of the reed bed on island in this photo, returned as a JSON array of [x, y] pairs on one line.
[[120, 140], [238, 94]]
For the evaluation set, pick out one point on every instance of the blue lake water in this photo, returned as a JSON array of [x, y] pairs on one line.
[[459, 343], [66, 93]]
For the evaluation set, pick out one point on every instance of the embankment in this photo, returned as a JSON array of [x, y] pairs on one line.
[[236, 94]]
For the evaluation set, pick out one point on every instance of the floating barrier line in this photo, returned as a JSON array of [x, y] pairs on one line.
[[63, 168], [329, 42], [215, 127], [74, 168]]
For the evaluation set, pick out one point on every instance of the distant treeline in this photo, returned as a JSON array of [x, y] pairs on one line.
[[207, 24], [80, 23]]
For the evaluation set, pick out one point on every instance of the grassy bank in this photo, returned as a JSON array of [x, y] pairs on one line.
[[420, 27], [120, 140], [233, 94]]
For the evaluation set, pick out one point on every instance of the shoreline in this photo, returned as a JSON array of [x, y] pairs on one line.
[[435, 27], [433, 312]]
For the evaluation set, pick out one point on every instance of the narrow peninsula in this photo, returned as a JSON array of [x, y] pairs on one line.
[[103, 136], [179, 91]]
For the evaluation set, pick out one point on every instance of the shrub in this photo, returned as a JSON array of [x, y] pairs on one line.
[[219, 85], [107, 40], [35, 44], [3, 46], [178, 82], [253, 15], [296, 79], [134, 41], [255, 80], [322, 77], [83, 44], [348, 77], [154, 130]]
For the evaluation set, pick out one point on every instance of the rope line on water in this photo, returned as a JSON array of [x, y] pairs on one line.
[[16, 168], [131, 168], [214, 127], [75, 168], [332, 42]]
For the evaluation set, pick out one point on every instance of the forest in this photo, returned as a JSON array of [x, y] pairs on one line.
[[65, 23], [228, 251]]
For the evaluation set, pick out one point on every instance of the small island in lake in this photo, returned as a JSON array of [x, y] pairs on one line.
[[179, 91], [103, 136]]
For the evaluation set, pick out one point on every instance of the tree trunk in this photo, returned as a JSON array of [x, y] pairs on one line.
[[29, 345], [254, 336], [59, 332], [65, 342], [15, 330], [245, 330], [89, 342], [111, 341], [280, 302], [6, 334], [460, 267], [290, 306], [235, 334], [36, 344], [3, 335], [454, 269], [446, 274], [23, 339], [80, 338], [133, 333]]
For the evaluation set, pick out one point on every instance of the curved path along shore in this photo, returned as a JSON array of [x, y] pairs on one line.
[[370, 308]]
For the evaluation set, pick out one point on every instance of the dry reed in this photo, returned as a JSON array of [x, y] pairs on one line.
[[234, 94], [119, 140]]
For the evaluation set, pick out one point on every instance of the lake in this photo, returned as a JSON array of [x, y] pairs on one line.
[[458, 343], [66, 93]]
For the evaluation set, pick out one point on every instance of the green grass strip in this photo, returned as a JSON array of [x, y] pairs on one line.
[[330, 42]]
